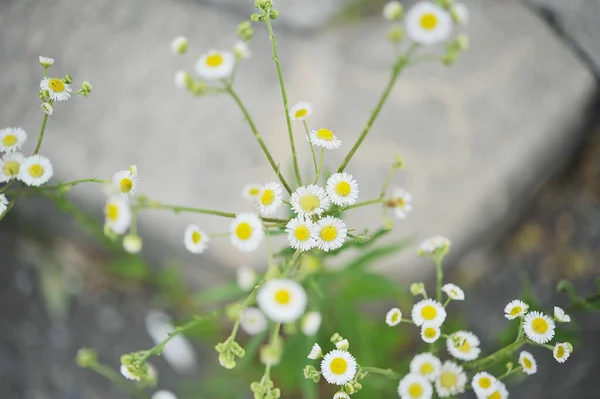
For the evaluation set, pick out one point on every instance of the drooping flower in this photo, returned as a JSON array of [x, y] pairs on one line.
[[179, 45], [561, 316], [316, 352], [118, 214], [454, 292], [246, 278], [301, 111]]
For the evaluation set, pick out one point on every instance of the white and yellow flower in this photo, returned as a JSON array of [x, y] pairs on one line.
[[451, 380], [57, 89], [342, 189], [125, 183], [561, 316], [179, 45], [538, 327], [282, 300], [162, 394], [484, 384], [246, 232], [500, 392], [433, 245], [12, 139], [195, 240], [301, 233], [527, 362], [3, 204], [35, 170], [311, 322], [46, 62], [454, 292], [270, 198], [253, 321], [393, 317], [463, 345], [428, 24], [562, 351], [428, 310], [324, 138], [315, 352], [251, 192], [426, 365], [47, 108], [246, 278], [309, 200], [241, 50], [401, 202], [117, 214], [127, 374], [515, 308], [430, 332], [338, 367], [415, 386], [301, 111], [215, 65], [10, 164], [330, 233]]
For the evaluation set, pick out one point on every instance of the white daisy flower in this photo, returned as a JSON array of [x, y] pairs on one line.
[[118, 214], [561, 352], [302, 233], [215, 65], [179, 45], [401, 202], [270, 198], [12, 139], [462, 12], [428, 310], [415, 386], [324, 138], [246, 232], [10, 164], [451, 380], [454, 292], [561, 316], [315, 352], [527, 361], [538, 327], [311, 322], [3, 204], [246, 278], [46, 62], [125, 183], [500, 393], [515, 308], [426, 365], [463, 345], [342, 189], [253, 321], [341, 395], [241, 50], [35, 170], [57, 89], [331, 233], [301, 111], [163, 395], [434, 245], [309, 200], [392, 11], [393, 317], [132, 243], [47, 108], [182, 79], [428, 24], [282, 300], [430, 332], [251, 192], [195, 240], [484, 384], [338, 367], [127, 374]]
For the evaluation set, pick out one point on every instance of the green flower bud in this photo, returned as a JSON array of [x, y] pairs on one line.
[[67, 79], [46, 62], [227, 361], [335, 338], [342, 345], [132, 243], [255, 17], [417, 289], [233, 311], [198, 88], [274, 14], [349, 388], [395, 34], [245, 31], [180, 45], [48, 108], [393, 11], [86, 357], [86, 88], [462, 42]]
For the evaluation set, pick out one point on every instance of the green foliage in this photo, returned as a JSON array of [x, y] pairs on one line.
[[579, 303]]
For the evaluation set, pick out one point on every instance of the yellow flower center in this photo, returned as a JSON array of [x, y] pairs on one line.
[[282, 297], [426, 368], [11, 168], [415, 390], [465, 347], [560, 352], [126, 185], [527, 363], [112, 212], [309, 202], [429, 21], [56, 85], [243, 231], [395, 317], [539, 325], [325, 134], [516, 311], [328, 233], [214, 60], [254, 191], [301, 112], [485, 382], [430, 332], [495, 395], [428, 312], [343, 189], [9, 140], [338, 366], [268, 197], [196, 237], [448, 379], [36, 170], [302, 233]]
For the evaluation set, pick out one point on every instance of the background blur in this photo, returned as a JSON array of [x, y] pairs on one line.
[[503, 155]]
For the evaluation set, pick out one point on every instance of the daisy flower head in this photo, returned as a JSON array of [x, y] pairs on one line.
[[180, 45], [430, 332], [125, 183], [426, 365], [538, 327], [215, 65], [301, 233], [195, 240], [253, 321], [282, 300], [46, 62], [47, 108], [415, 386], [463, 345], [401, 202], [241, 50], [484, 384], [128, 374], [35, 170], [10, 164], [515, 308], [428, 24], [301, 111], [315, 352], [183, 80], [57, 89], [527, 361], [500, 391], [341, 395], [392, 11], [3, 204], [246, 278], [163, 395], [331, 233], [338, 367], [309, 200], [246, 232], [430, 311], [342, 189], [12, 139], [324, 138], [435, 246], [251, 192], [118, 214], [560, 315], [454, 292], [450, 380], [270, 198], [311, 322], [562, 351], [393, 317], [342, 345], [462, 13]]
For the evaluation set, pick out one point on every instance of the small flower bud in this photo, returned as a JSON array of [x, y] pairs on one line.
[[255, 17], [183, 80], [398, 162], [245, 31], [179, 45], [86, 357], [462, 42], [241, 50], [417, 289], [132, 243], [47, 108], [349, 388], [44, 95], [395, 34], [342, 345], [233, 311], [569, 347], [335, 338], [198, 88], [133, 169], [259, 4], [86, 88], [393, 11], [46, 62], [270, 354], [227, 361], [67, 79], [274, 14]]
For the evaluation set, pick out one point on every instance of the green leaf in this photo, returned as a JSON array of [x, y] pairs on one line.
[[224, 292], [369, 257], [132, 267]]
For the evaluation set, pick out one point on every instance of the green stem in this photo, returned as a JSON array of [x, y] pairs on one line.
[[284, 97], [439, 280], [496, 356], [10, 205], [320, 166], [447, 301], [116, 379], [387, 182], [385, 372], [312, 148], [357, 205], [72, 183], [43, 129], [177, 209], [510, 372]]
